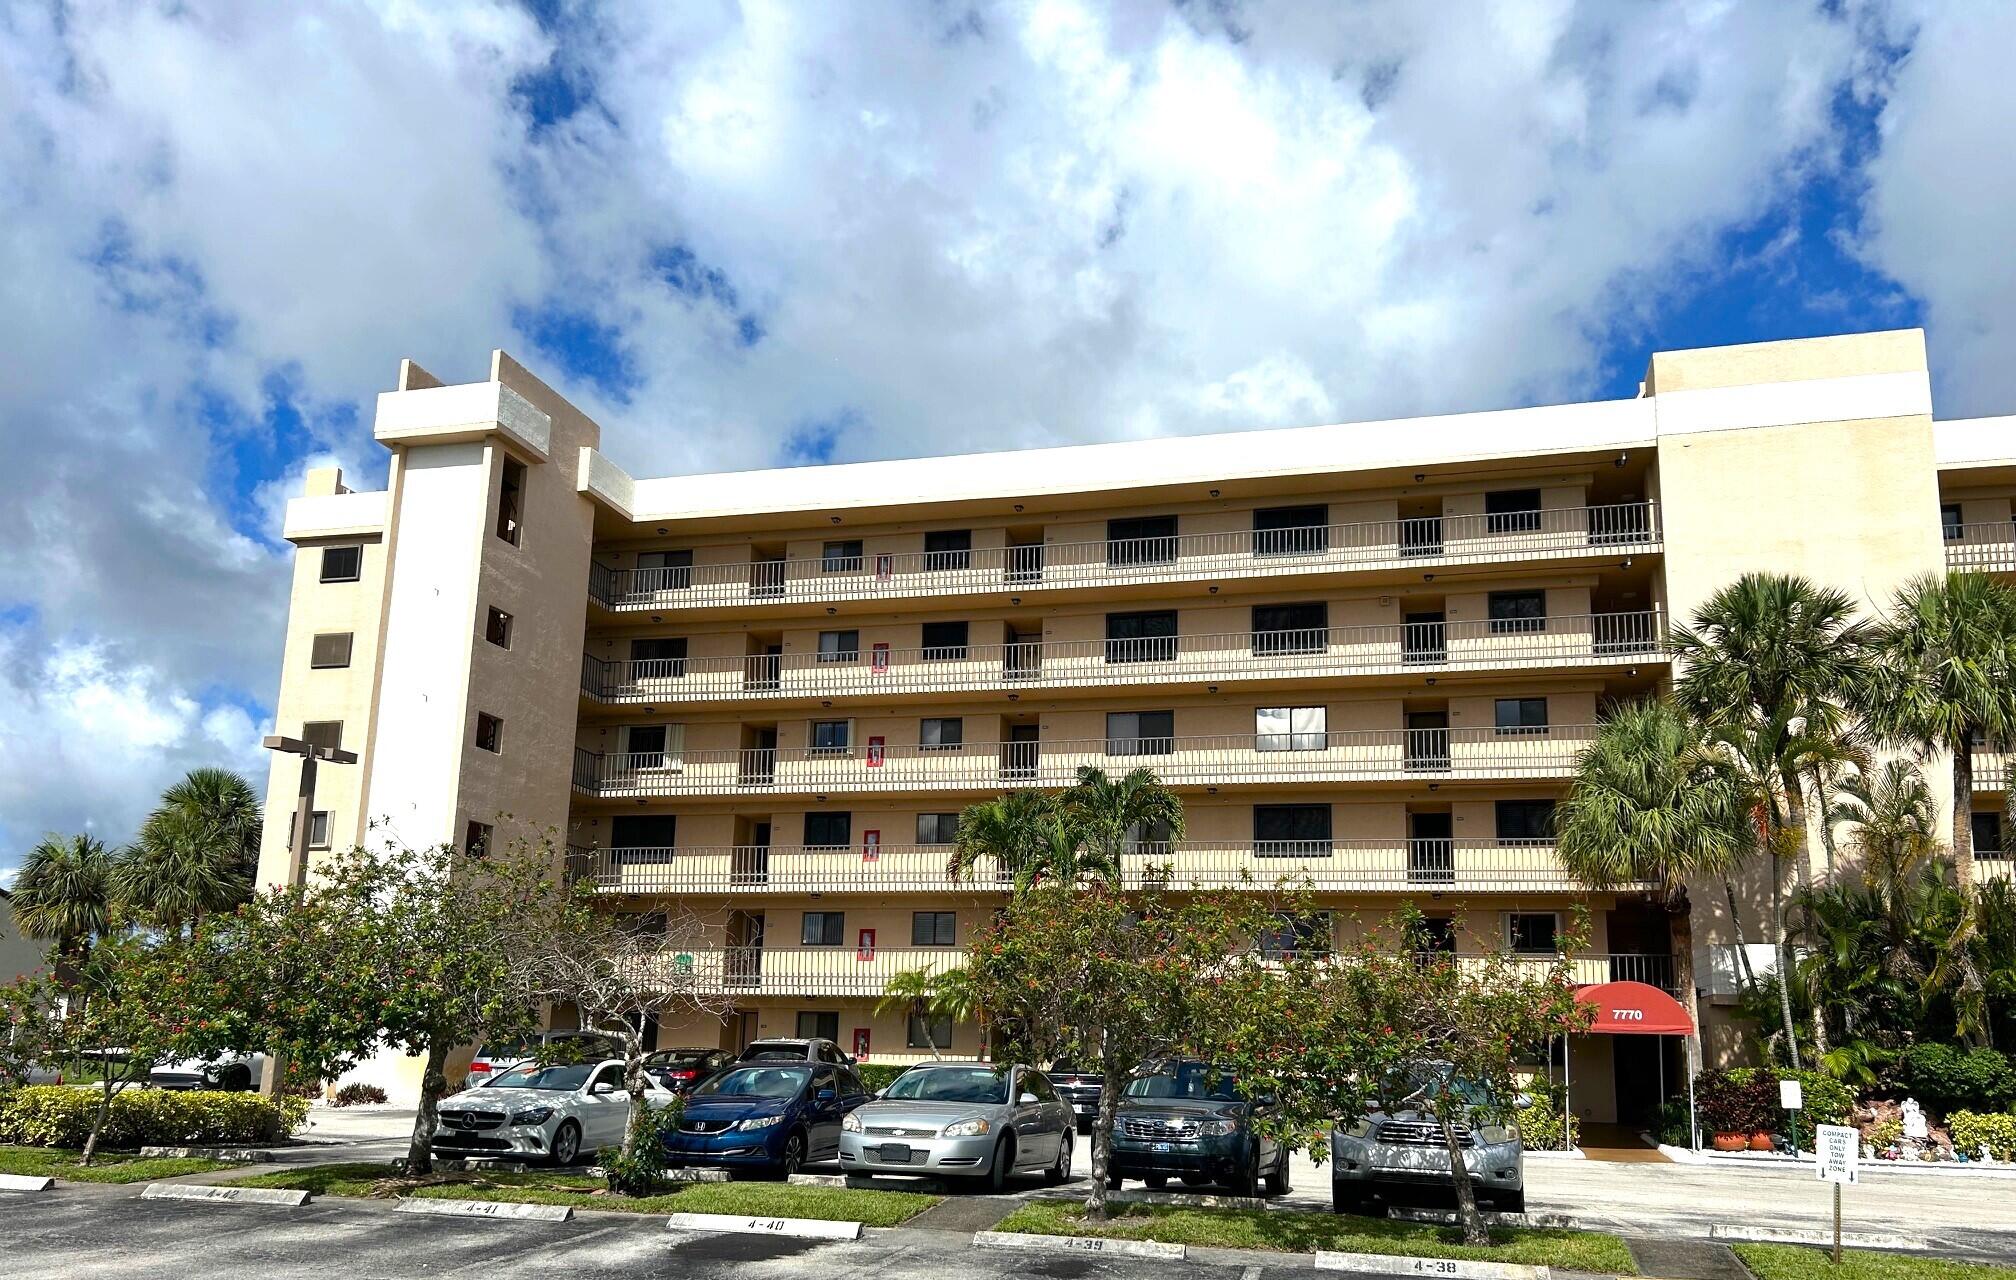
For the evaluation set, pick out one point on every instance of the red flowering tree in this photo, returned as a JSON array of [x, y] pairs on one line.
[[1110, 976]]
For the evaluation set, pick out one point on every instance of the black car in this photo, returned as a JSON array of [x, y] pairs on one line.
[[1080, 1085], [681, 1069], [795, 1049], [1188, 1119]]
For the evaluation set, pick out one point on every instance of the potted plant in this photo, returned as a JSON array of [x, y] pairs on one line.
[[1734, 1114]]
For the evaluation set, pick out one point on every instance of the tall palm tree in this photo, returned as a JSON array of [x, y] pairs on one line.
[[63, 893], [1111, 813], [196, 854], [1892, 821], [1651, 802], [1944, 677], [1767, 665], [1014, 831]]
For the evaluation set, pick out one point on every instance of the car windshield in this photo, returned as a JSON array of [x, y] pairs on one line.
[[677, 1057], [1186, 1080], [563, 1079], [951, 1084], [756, 1082], [1417, 1084], [506, 1051], [1067, 1068]]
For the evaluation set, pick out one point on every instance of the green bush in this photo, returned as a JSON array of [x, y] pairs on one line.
[[357, 1094], [59, 1116], [1947, 1079], [642, 1173], [1540, 1126], [1827, 1100], [1670, 1124], [1972, 1128], [1740, 1101], [877, 1075]]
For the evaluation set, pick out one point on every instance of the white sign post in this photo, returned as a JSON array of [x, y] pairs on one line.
[[1835, 1160], [1791, 1097]]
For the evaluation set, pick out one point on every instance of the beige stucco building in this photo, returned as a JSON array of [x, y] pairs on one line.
[[1366, 653]]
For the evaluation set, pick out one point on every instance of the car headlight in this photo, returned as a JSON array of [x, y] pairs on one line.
[[532, 1115], [850, 1123], [1493, 1134], [760, 1122], [1218, 1128], [1359, 1129], [966, 1128]]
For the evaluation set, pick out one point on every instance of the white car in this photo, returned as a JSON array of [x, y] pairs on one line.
[[542, 1113], [231, 1072]]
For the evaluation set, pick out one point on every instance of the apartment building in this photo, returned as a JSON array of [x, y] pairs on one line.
[[1367, 654]]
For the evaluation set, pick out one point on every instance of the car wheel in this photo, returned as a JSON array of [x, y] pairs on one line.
[[1511, 1202], [1004, 1162], [1113, 1181], [1155, 1181], [566, 1144], [1246, 1182], [236, 1078], [1060, 1172], [794, 1156], [1277, 1177], [1346, 1199]]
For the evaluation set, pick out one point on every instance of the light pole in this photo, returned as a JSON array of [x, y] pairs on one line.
[[297, 868]]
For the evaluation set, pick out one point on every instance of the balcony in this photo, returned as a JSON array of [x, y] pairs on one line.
[[1987, 547], [1372, 755], [1414, 544], [1367, 651], [847, 971], [1327, 866]]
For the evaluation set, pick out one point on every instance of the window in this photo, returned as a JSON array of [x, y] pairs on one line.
[[658, 658], [1291, 830], [1525, 820], [934, 929], [948, 549], [941, 733], [841, 557], [1140, 733], [1141, 637], [1149, 838], [1512, 511], [323, 733], [331, 649], [937, 828], [1435, 934], [318, 829], [1531, 932], [818, 1026], [923, 1034], [664, 570], [654, 746], [1290, 728], [497, 630], [1290, 628], [489, 732], [830, 737], [642, 839], [1988, 835], [1521, 715], [829, 830], [1518, 611], [823, 929], [511, 501], [475, 839], [1143, 540], [1292, 934], [839, 646], [341, 564], [944, 641], [1949, 520], [1291, 531]]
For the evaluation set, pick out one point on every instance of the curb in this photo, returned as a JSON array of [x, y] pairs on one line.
[[503, 1210], [1096, 1245], [735, 1224], [225, 1194], [1386, 1264], [1791, 1235], [236, 1155], [24, 1182]]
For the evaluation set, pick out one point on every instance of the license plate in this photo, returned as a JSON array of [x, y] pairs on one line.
[[1085, 1108], [895, 1153], [1161, 1146]]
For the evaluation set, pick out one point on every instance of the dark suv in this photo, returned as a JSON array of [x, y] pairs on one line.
[[796, 1049], [1187, 1119], [1080, 1087]]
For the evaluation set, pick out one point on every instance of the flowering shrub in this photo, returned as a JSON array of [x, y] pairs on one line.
[[357, 1094], [58, 1116], [1971, 1129]]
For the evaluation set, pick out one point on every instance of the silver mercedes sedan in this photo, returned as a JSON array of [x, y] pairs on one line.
[[978, 1120]]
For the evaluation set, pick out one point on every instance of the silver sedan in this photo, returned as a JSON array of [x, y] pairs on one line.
[[962, 1119]]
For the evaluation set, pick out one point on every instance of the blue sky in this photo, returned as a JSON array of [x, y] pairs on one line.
[[756, 234]]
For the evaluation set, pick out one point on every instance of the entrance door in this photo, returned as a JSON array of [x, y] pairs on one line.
[[1428, 740], [1637, 1070], [1018, 757], [1431, 848], [1422, 638]]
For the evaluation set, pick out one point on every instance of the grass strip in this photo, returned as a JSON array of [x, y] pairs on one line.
[[106, 1166], [752, 1199], [1804, 1262], [1290, 1231]]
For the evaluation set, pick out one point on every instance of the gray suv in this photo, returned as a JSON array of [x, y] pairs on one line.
[[1398, 1152]]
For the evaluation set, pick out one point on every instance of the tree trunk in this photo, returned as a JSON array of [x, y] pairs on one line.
[[1782, 954], [636, 1085], [1815, 1014], [1743, 966], [1475, 1233], [98, 1118], [924, 1020], [1680, 928], [433, 1084], [1112, 1081], [1963, 813]]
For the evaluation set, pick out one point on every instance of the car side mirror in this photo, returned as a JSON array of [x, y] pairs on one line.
[[601, 1087], [882, 1092], [1522, 1101], [1027, 1099], [826, 1095]]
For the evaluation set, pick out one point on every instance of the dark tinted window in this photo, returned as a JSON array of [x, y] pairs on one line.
[[1148, 636], [1291, 628], [1293, 933], [840, 557], [934, 929], [655, 832], [1518, 611], [1512, 511], [1531, 931], [948, 549], [839, 646], [830, 736], [1949, 520], [819, 1026], [937, 828], [1521, 715], [944, 641], [1289, 531], [340, 564], [1291, 830], [829, 830], [823, 929], [1140, 733], [1142, 540], [941, 731], [1525, 819], [1987, 835], [330, 649]]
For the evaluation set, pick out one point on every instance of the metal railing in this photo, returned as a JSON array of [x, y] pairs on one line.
[[855, 971], [1358, 865], [1393, 648], [1418, 542], [1988, 546], [1382, 754]]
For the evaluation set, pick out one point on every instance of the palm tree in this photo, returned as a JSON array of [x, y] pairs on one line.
[[1013, 831], [1944, 678], [1651, 802], [62, 894], [1892, 819], [927, 996], [1767, 666], [1110, 814], [196, 854]]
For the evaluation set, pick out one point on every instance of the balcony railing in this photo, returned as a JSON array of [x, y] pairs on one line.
[[1988, 547], [1413, 543], [1409, 648], [1354, 866], [855, 971], [1361, 755]]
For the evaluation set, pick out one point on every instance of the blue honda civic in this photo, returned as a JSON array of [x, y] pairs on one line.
[[766, 1117]]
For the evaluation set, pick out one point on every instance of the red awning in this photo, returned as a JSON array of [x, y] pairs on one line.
[[1634, 1009]]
